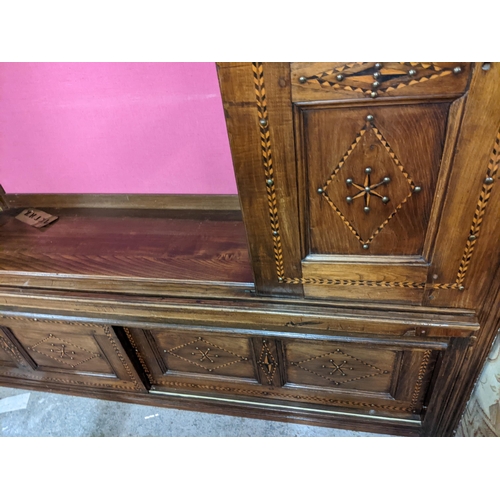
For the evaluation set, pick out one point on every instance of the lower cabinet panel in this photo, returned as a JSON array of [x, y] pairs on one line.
[[386, 378], [63, 353]]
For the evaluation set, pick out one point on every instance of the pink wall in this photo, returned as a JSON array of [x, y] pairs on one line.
[[113, 128]]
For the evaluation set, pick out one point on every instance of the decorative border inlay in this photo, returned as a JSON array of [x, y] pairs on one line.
[[280, 395], [12, 350], [420, 379], [266, 146], [139, 355], [319, 78]]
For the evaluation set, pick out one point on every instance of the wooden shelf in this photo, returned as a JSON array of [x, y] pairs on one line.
[[137, 244]]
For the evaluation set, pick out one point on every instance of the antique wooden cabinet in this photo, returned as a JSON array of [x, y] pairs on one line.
[[356, 287]]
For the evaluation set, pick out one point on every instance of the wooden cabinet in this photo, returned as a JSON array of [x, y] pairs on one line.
[[57, 353], [369, 201]]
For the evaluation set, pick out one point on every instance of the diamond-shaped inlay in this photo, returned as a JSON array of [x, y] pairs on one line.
[[63, 351], [205, 354], [267, 362], [339, 367], [369, 169], [374, 79]]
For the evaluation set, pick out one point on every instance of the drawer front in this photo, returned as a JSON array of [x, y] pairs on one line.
[[360, 80], [381, 376], [70, 354]]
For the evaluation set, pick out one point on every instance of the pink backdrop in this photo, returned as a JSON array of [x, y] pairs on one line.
[[113, 128]]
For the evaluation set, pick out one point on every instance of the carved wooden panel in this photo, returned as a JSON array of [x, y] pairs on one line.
[[172, 351], [358, 80], [371, 174], [66, 353]]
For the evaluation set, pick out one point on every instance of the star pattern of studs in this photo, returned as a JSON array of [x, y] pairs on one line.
[[367, 190]]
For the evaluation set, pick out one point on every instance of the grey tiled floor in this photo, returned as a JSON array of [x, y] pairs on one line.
[[49, 414]]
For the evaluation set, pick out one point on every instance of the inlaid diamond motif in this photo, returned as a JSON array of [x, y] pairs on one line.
[[339, 367], [369, 169], [63, 351], [205, 354]]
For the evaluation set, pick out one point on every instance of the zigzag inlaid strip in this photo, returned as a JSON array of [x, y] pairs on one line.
[[320, 80], [286, 395], [477, 220], [325, 281], [139, 355], [267, 162], [418, 386]]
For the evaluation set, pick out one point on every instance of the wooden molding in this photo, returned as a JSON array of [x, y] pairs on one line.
[[126, 201]]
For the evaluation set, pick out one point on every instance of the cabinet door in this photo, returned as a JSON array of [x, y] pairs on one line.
[[368, 181], [65, 354]]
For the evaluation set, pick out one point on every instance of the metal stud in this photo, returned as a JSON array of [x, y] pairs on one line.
[[369, 118], [320, 190], [280, 279], [275, 233], [349, 181], [366, 246], [375, 84], [263, 122], [340, 77], [368, 189], [373, 94], [302, 79], [488, 180], [461, 288], [386, 180], [457, 70], [348, 199], [385, 200], [412, 72], [472, 237], [366, 209], [378, 65], [368, 170], [376, 75], [269, 182], [417, 189]]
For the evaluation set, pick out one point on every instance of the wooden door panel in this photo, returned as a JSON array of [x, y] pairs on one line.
[[66, 354], [357, 80], [376, 169]]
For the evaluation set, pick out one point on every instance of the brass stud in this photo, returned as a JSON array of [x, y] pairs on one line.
[[366, 209], [472, 237], [412, 72], [375, 84], [366, 246], [369, 118], [417, 189], [302, 79], [348, 199], [461, 288], [263, 122], [386, 180], [385, 200], [376, 75], [269, 182], [340, 77], [378, 65], [373, 95], [275, 233], [457, 70], [368, 189], [349, 181], [320, 190], [488, 180], [368, 170]]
